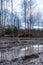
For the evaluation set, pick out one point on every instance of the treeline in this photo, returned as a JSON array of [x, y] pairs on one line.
[[10, 31]]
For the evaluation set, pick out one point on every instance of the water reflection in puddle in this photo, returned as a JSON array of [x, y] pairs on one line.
[[33, 49], [18, 52]]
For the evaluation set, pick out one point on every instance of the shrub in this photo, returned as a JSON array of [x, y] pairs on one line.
[[15, 31], [8, 31]]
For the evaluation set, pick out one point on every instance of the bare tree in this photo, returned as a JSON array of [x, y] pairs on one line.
[[17, 22], [25, 7], [25, 14], [1, 22], [38, 20], [11, 11], [4, 17], [30, 32]]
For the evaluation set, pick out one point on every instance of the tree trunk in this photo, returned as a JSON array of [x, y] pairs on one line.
[[30, 32], [25, 14]]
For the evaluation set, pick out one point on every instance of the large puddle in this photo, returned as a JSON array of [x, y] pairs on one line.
[[16, 52]]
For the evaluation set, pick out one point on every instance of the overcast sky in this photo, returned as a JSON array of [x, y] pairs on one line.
[[18, 8]]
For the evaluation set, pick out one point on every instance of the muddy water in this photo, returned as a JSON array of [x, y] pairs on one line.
[[16, 52]]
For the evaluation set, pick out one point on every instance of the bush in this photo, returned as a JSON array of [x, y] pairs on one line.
[[11, 32], [15, 31], [8, 31]]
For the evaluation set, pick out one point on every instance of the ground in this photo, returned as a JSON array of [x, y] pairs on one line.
[[12, 48], [20, 41]]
